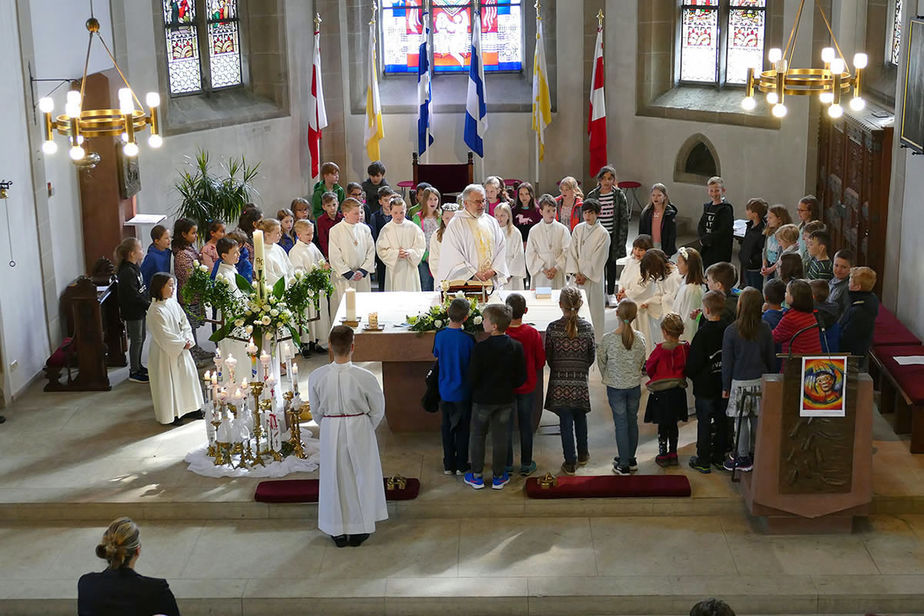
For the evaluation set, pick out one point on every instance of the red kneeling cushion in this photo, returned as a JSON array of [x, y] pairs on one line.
[[889, 330], [909, 378], [606, 486], [306, 491], [58, 359]]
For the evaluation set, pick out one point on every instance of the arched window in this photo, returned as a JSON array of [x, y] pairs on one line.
[[193, 25], [720, 39], [894, 50], [402, 32]]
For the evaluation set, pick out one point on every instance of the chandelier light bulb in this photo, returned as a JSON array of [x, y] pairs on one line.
[[49, 147], [155, 141], [775, 54], [748, 103], [857, 103], [835, 111], [46, 104], [827, 55], [837, 66], [130, 149], [779, 111], [860, 60], [772, 98], [124, 137], [73, 97], [826, 97], [76, 153], [79, 139], [72, 110], [126, 104], [152, 99]]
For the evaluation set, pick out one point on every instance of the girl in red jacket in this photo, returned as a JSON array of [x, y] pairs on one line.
[[801, 314], [667, 402]]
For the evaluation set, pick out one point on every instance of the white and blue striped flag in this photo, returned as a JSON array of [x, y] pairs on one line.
[[476, 111], [424, 93]]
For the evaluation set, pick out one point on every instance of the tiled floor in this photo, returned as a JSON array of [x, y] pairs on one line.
[[71, 462]]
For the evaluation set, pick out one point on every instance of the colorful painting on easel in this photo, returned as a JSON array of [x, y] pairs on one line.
[[824, 387]]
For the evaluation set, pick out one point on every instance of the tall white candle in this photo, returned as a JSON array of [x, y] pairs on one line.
[[259, 259], [350, 304]]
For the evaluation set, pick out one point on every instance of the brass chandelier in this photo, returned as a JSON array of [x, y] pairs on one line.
[[78, 123], [830, 83]]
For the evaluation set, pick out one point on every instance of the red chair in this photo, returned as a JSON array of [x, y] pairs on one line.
[[630, 188]]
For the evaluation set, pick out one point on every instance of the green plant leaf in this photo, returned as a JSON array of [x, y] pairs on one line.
[[243, 284], [279, 288]]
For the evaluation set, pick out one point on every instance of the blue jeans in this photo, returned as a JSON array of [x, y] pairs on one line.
[[457, 417], [624, 405], [573, 424], [426, 278], [524, 418]]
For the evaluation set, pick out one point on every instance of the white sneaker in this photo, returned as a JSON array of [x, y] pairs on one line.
[[611, 300]]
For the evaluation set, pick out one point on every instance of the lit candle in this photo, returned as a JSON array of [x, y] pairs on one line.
[[259, 256], [265, 360], [218, 361], [207, 379], [231, 363], [252, 351], [350, 304], [294, 377]]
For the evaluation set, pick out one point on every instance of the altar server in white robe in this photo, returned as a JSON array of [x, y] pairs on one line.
[[278, 264], [352, 253], [513, 240], [305, 256], [401, 246], [547, 248], [348, 403], [473, 247], [229, 251], [587, 254], [447, 211], [175, 388]]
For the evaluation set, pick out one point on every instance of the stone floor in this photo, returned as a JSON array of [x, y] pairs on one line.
[[69, 463]]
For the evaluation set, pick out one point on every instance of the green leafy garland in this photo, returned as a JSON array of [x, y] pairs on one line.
[[438, 317]]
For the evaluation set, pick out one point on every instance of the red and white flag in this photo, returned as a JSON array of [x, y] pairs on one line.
[[596, 124], [317, 114]]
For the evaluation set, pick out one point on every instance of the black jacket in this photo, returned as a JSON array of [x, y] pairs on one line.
[[668, 227], [133, 294], [123, 592], [704, 364], [858, 322], [498, 366], [621, 213], [716, 232], [752, 247]]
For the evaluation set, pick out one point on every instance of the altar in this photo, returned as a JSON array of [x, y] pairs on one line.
[[406, 355]]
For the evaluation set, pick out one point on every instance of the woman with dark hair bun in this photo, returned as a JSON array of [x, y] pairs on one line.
[[119, 590]]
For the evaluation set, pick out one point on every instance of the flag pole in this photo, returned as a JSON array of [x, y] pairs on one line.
[[538, 7]]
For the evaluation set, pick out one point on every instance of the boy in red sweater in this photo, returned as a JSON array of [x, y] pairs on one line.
[[667, 384], [534, 352], [801, 314], [328, 219]]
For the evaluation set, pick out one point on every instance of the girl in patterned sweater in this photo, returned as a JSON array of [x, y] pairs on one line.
[[569, 352]]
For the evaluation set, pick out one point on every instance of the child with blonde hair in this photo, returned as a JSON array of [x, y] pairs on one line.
[[516, 256], [569, 202], [620, 358], [688, 302], [494, 193], [401, 246], [777, 216], [208, 255], [654, 294], [428, 219], [277, 264], [447, 211], [305, 256], [667, 402], [301, 209]]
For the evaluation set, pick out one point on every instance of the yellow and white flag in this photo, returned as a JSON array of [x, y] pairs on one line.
[[374, 128], [542, 104]]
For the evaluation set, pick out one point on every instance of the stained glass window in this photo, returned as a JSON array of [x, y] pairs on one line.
[[746, 21], [183, 66], [699, 45], [719, 40], [895, 40], [224, 43], [402, 32], [184, 23]]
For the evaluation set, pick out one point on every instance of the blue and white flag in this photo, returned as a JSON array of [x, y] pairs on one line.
[[476, 111], [424, 94]]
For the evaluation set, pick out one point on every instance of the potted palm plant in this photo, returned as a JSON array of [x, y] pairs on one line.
[[205, 197]]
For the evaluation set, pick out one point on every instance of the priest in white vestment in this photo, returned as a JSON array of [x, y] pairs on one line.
[[277, 264], [229, 252], [473, 246], [175, 387], [348, 403], [547, 248], [352, 253], [401, 247], [305, 256], [587, 255]]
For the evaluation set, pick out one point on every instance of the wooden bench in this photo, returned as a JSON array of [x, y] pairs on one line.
[[902, 390], [888, 331]]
